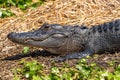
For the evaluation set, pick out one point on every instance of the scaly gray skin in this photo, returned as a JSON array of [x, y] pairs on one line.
[[74, 41]]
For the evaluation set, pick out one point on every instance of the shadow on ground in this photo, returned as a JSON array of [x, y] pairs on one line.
[[33, 54]]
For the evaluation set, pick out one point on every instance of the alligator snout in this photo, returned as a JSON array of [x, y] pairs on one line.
[[11, 36], [14, 37]]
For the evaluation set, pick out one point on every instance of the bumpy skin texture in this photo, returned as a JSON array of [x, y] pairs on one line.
[[73, 41]]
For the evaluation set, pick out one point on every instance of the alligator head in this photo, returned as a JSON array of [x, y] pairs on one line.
[[48, 36]]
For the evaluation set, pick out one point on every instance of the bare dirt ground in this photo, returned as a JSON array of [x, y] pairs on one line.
[[88, 12]]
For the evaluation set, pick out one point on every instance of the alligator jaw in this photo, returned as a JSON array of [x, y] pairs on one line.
[[25, 38], [30, 39]]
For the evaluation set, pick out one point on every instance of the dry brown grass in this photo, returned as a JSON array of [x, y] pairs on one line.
[[88, 12]]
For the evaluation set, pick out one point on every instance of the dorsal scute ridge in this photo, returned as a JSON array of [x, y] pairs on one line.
[[110, 27]]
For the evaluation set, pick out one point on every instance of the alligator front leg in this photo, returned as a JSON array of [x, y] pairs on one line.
[[85, 53]]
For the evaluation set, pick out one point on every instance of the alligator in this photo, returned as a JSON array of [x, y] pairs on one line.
[[72, 41]]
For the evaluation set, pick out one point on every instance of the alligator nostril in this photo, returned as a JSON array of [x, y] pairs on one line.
[[10, 35]]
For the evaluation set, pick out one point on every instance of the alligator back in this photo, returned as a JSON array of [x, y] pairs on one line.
[[105, 37]]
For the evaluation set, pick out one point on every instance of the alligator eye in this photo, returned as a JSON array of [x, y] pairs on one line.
[[47, 27]]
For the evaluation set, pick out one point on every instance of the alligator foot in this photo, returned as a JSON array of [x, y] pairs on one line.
[[73, 56]]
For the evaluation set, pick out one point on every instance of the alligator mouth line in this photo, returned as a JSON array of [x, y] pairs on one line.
[[37, 39], [40, 39], [32, 39], [57, 46]]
